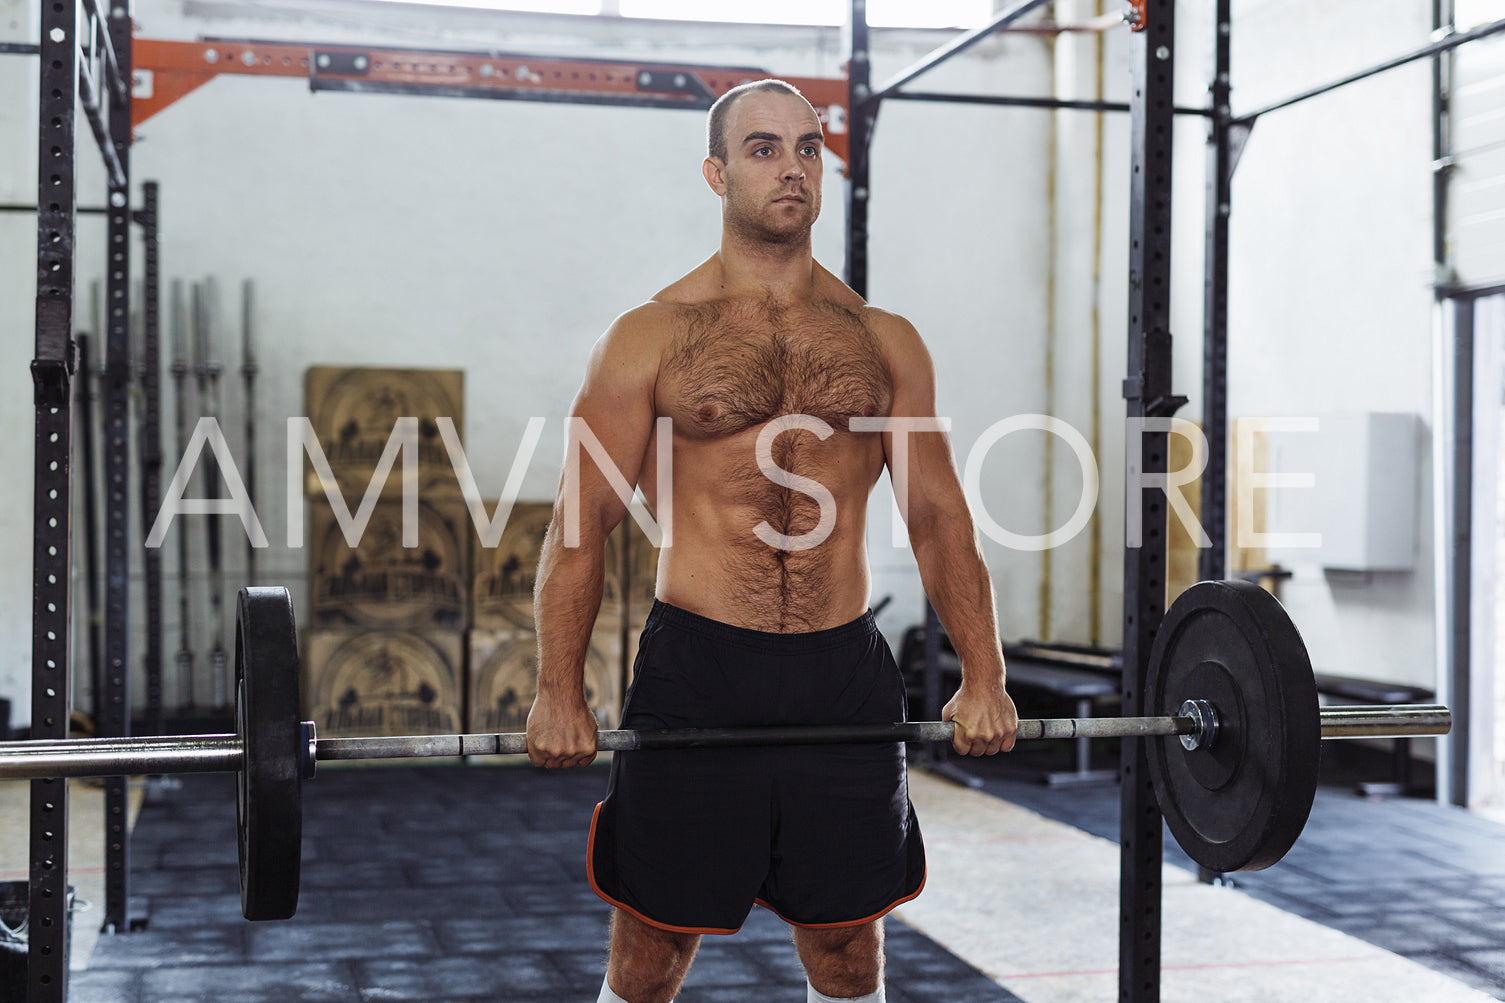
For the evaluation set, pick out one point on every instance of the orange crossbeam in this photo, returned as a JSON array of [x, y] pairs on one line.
[[168, 71]]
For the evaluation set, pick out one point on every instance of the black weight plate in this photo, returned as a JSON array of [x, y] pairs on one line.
[[1240, 805], [269, 787]]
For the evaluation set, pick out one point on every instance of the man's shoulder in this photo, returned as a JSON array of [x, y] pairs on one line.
[[878, 320], [699, 286]]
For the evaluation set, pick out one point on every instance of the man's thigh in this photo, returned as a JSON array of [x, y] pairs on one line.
[[842, 961]]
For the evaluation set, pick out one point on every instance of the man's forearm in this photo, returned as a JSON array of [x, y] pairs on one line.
[[957, 582], [566, 600]]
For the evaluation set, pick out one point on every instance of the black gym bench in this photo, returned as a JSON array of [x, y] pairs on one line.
[[1355, 690], [1085, 676]]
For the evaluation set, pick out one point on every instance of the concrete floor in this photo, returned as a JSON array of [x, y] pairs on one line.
[[467, 884], [440, 884], [1406, 874], [1033, 903]]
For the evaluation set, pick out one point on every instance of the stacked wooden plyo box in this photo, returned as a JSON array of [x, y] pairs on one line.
[[504, 643], [385, 655], [439, 638]]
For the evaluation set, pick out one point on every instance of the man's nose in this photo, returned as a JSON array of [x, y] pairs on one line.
[[794, 170]]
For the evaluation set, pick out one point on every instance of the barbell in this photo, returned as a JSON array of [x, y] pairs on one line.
[[1235, 777]]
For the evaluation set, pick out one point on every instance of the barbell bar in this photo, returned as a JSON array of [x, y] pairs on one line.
[[1228, 673], [162, 755]]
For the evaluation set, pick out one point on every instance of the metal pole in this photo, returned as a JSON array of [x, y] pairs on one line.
[[115, 716], [861, 118], [206, 309], [183, 661], [248, 370], [1461, 545], [52, 372], [1213, 561], [960, 44], [85, 433], [1053, 104], [1435, 49], [1147, 389], [151, 454]]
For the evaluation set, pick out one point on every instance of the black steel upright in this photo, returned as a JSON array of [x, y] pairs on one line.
[[1212, 563], [150, 450], [115, 717], [52, 371], [1149, 396], [861, 115]]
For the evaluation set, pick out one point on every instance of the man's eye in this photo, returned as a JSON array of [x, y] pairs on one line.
[[810, 151], [762, 150]]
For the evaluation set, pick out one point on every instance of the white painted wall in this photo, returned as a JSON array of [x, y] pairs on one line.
[[18, 272], [501, 238], [1330, 292]]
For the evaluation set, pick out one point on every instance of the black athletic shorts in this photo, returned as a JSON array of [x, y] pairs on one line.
[[825, 836]]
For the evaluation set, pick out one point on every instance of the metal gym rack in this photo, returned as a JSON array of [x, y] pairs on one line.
[[86, 59]]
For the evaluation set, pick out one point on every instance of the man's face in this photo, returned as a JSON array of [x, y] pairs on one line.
[[772, 175]]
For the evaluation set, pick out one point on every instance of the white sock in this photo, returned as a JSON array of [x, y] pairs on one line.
[[607, 996], [816, 996]]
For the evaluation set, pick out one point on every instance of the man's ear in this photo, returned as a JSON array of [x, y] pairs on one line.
[[714, 170]]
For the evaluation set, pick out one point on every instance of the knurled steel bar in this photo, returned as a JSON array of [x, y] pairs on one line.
[[150, 448], [183, 661], [1012, 101], [248, 370], [19, 49], [1461, 545], [1426, 52], [1149, 396], [52, 370], [95, 757], [1212, 561], [115, 713], [122, 757], [957, 45], [860, 121], [420, 746]]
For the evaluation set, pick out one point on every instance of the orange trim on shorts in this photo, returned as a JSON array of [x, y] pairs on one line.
[[590, 872], [851, 922]]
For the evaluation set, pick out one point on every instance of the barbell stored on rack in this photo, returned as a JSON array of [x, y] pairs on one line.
[[1228, 671]]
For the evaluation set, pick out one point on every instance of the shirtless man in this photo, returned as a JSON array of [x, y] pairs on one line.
[[762, 359]]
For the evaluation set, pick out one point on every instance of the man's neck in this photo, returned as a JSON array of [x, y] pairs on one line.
[[784, 271]]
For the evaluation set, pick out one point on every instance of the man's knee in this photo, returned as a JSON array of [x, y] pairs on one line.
[[845, 962], [647, 964]]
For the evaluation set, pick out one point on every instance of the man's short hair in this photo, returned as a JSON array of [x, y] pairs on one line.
[[716, 123]]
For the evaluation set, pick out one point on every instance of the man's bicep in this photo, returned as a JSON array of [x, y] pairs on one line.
[[608, 432], [929, 479]]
